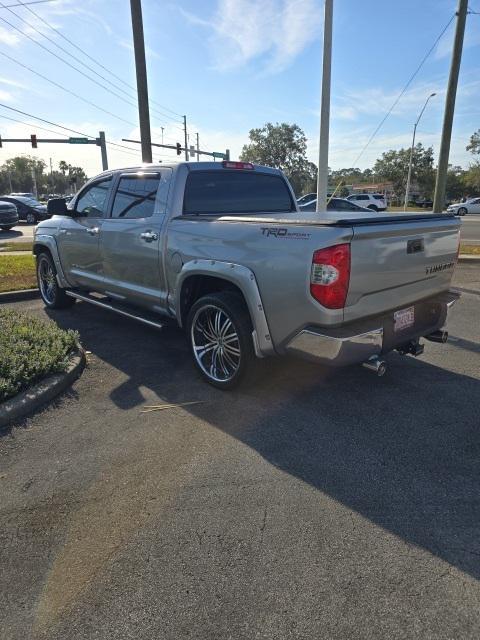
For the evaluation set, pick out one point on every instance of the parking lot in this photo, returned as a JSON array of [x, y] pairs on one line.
[[308, 504]]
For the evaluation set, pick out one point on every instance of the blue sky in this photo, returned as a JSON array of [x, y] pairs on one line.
[[231, 65]]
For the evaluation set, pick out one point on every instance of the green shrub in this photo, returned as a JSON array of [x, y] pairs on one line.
[[30, 349]]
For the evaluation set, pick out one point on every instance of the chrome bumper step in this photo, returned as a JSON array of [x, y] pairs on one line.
[[106, 303]]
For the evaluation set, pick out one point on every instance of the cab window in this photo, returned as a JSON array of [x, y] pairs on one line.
[[93, 201], [135, 196]]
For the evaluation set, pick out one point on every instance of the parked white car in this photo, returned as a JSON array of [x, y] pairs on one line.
[[461, 208], [373, 201]]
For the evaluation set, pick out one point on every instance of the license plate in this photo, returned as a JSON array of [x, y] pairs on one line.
[[403, 319]]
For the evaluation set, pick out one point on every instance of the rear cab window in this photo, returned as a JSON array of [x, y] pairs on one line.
[[233, 192]]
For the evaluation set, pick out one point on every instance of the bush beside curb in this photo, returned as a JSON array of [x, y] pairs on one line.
[[31, 399]]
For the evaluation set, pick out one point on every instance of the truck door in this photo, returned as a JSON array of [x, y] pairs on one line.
[[78, 238], [130, 240]]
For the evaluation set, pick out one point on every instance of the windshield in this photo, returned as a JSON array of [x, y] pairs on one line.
[[31, 202], [235, 192]]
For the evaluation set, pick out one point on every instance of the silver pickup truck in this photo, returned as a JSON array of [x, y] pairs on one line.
[[222, 249]]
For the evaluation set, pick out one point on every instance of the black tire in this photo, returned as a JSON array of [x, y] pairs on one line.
[[373, 207], [53, 296], [462, 211], [31, 218], [225, 364], [6, 228]]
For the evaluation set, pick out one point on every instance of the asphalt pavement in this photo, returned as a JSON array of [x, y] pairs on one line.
[[308, 504]]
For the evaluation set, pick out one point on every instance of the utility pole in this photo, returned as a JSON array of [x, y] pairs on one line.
[[440, 185], [198, 147], [407, 190], [186, 136], [162, 128], [142, 86], [103, 149], [34, 182], [52, 186], [322, 180]]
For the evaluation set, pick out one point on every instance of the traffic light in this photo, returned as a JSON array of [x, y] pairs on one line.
[[33, 138], [179, 149]]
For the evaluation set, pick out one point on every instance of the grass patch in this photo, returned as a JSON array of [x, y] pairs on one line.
[[17, 272], [470, 250], [409, 208], [30, 349], [16, 246]]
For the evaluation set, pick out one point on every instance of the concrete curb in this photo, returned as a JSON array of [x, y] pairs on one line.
[[22, 294], [464, 257], [31, 399]]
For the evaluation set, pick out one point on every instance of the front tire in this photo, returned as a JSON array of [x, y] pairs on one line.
[[53, 296], [31, 218], [219, 332], [462, 211], [372, 207], [6, 228]]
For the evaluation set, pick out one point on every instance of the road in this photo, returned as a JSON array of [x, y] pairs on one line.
[[308, 504], [470, 231]]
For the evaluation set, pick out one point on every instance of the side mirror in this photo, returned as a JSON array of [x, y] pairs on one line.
[[58, 207]]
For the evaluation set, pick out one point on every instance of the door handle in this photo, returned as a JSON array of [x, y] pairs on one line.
[[149, 236], [93, 231]]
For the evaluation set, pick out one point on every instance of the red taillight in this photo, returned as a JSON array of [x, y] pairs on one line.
[[230, 164], [330, 276]]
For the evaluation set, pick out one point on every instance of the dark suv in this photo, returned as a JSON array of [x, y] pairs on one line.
[[28, 209], [8, 216]]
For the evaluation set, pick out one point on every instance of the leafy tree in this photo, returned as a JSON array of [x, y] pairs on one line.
[[474, 145], [393, 166], [472, 179], [20, 170], [63, 166], [282, 146], [455, 187]]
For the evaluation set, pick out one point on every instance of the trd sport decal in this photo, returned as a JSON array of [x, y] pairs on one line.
[[283, 232]]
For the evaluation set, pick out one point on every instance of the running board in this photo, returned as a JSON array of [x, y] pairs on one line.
[[121, 309]]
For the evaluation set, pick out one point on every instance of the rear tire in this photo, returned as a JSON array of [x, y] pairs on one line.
[[31, 218], [219, 333], [6, 228], [373, 207], [462, 211], [53, 296]]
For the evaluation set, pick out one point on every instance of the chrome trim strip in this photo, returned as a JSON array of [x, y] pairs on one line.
[[109, 307], [336, 351]]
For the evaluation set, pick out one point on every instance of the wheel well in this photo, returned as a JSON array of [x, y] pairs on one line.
[[196, 286], [41, 248]]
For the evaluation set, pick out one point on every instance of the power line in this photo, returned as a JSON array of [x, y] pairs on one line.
[[28, 124], [102, 86], [59, 86], [397, 99], [60, 126], [24, 4], [87, 55]]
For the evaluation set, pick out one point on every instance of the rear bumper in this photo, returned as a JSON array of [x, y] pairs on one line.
[[358, 343]]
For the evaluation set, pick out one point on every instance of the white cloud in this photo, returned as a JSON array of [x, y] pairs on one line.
[[244, 30], [149, 52], [12, 83], [8, 37], [6, 96]]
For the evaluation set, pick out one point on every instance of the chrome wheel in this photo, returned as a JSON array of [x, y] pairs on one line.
[[47, 280], [216, 344]]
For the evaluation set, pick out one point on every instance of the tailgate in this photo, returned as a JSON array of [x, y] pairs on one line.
[[397, 261]]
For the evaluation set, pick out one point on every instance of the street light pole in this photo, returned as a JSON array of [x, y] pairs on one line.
[[322, 180], [407, 190]]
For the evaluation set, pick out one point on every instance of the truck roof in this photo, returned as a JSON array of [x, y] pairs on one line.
[[192, 166]]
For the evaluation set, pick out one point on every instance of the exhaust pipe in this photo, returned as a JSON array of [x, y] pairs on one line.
[[376, 365], [438, 336]]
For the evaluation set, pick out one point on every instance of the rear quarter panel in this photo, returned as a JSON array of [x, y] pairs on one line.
[[281, 264]]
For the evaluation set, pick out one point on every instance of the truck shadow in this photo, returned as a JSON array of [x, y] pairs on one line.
[[402, 451]]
